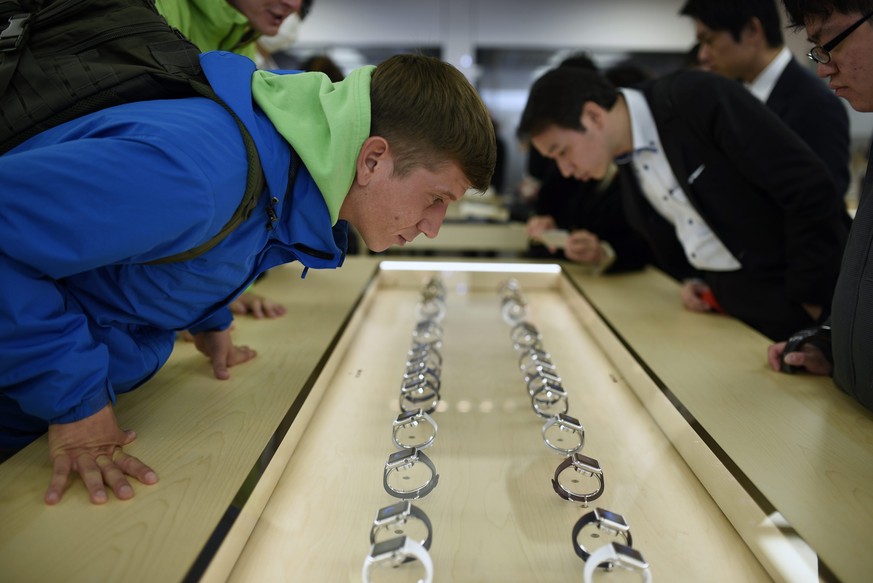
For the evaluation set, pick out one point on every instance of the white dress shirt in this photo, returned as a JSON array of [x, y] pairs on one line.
[[659, 185], [763, 84]]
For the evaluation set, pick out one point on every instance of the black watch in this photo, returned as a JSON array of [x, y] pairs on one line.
[[818, 336]]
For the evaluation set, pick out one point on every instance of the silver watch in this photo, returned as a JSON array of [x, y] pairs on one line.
[[409, 474], [564, 434], [413, 429]]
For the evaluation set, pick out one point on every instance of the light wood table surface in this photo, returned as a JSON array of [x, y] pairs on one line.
[[494, 512], [313, 415], [802, 443], [201, 435]]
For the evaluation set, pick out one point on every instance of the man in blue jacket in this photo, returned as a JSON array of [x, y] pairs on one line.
[[87, 206]]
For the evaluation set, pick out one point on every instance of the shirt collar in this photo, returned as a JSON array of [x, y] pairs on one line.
[[763, 84], [643, 129]]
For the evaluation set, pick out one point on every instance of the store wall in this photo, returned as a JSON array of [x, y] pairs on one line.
[[459, 26]]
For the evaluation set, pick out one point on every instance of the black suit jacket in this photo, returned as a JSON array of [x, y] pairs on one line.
[[852, 315], [807, 106], [763, 192]]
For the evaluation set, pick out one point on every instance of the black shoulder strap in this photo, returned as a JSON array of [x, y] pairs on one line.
[[255, 184], [12, 37]]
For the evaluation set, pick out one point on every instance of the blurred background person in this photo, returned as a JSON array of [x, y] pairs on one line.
[[592, 211], [742, 40]]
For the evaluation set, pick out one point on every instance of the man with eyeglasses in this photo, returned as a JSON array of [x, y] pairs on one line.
[[842, 34], [743, 40]]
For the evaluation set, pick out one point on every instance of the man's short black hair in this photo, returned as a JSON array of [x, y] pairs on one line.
[[799, 10], [557, 98], [733, 15]]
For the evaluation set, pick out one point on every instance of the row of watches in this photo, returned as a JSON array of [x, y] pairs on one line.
[[402, 532], [578, 478]]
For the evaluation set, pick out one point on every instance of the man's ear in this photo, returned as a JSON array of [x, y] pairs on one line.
[[373, 158], [753, 29], [593, 116]]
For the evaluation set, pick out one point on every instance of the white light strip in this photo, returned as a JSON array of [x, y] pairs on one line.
[[470, 266]]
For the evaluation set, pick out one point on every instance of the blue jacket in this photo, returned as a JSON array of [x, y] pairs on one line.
[[85, 205]]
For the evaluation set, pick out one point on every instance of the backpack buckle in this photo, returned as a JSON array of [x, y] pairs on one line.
[[15, 32]]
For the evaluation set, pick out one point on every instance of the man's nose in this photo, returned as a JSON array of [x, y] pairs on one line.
[[433, 220], [825, 70]]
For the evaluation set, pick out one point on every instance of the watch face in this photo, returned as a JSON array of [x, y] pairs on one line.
[[611, 520], [629, 556], [397, 456], [407, 415], [587, 463], [563, 417], [388, 546], [392, 511]]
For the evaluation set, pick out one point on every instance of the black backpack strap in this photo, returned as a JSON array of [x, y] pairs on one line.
[[255, 184], [12, 38]]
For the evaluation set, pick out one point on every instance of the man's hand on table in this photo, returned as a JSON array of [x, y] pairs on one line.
[[92, 447], [219, 347]]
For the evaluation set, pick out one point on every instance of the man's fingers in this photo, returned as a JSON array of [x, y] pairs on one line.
[[61, 469], [92, 476], [774, 355], [256, 309], [240, 355], [274, 310], [219, 369], [113, 477], [134, 467]]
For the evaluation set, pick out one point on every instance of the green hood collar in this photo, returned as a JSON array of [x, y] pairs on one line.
[[326, 123]]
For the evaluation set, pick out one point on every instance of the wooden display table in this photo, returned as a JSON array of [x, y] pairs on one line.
[[694, 433]]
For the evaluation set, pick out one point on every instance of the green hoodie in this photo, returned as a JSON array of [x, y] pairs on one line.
[[210, 24], [326, 123]]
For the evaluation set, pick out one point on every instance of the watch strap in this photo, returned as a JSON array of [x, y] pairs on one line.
[[590, 518]]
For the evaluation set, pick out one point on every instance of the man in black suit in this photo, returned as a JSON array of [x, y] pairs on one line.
[[742, 40], [842, 32], [727, 193]]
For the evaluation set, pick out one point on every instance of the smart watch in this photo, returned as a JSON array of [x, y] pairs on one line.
[[434, 288], [422, 375], [409, 474], [603, 524], [524, 335], [535, 358], [393, 553], [423, 361], [427, 332], [549, 400], [431, 308], [567, 482], [620, 557], [509, 288], [818, 336], [396, 520], [539, 378], [513, 309], [429, 352], [564, 434], [413, 429], [419, 394]]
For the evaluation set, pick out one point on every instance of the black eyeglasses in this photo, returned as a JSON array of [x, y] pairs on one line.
[[821, 54]]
